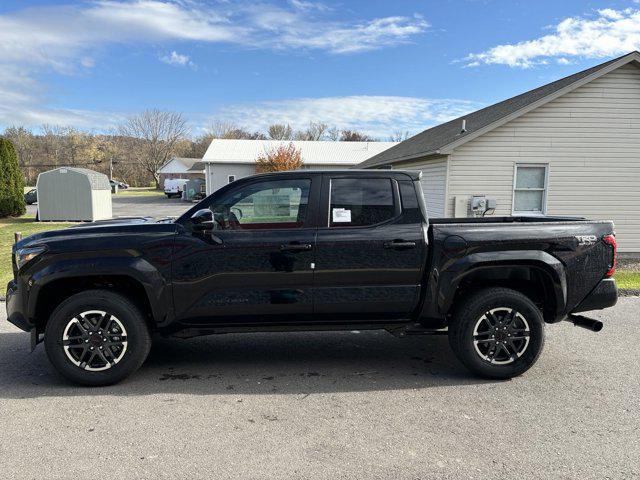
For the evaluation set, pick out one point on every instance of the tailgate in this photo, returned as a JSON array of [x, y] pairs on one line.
[[589, 261]]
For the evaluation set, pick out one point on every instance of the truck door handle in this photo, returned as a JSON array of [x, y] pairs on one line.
[[399, 245], [295, 247]]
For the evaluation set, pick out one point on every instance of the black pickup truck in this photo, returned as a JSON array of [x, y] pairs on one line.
[[309, 250]]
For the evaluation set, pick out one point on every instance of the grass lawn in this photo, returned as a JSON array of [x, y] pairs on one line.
[[140, 192], [628, 280], [27, 226]]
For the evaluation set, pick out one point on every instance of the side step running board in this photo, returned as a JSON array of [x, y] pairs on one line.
[[415, 329]]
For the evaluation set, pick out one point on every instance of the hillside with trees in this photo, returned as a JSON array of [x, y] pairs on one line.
[[134, 150]]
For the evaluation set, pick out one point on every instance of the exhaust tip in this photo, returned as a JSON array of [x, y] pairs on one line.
[[588, 323]]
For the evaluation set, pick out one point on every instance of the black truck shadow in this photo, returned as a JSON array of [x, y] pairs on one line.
[[274, 363]]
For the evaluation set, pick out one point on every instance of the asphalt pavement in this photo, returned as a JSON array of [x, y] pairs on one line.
[[362, 405], [152, 206]]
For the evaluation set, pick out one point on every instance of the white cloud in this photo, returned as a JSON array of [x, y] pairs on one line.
[[177, 59], [358, 37], [378, 116], [608, 33], [68, 39], [23, 104], [304, 5], [55, 36]]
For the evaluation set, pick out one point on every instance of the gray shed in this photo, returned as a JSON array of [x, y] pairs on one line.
[[193, 187], [74, 194]]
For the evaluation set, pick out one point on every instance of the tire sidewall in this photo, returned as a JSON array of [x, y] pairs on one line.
[[481, 305], [137, 337]]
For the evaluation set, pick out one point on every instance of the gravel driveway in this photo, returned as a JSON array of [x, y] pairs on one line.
[[330, 405]]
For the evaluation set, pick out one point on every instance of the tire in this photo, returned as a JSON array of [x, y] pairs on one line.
[[117, 326], [497, 333]]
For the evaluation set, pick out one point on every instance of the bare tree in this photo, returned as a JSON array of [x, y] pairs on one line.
[[242, 134], [399, 136], [158, 133], [354, 136], [285, 157], [280, 131], [25, 145], [314, 132], [333, 134], [220, 129]]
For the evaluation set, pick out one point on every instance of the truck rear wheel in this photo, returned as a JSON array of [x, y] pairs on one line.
[[497, 333], [96, 338]]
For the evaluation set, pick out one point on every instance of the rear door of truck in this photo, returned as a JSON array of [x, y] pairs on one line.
[[371, 247]]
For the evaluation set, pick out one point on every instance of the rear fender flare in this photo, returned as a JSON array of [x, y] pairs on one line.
[[451, 278]]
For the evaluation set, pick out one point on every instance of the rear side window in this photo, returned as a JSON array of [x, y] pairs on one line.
[[359, 202], [410, 203]]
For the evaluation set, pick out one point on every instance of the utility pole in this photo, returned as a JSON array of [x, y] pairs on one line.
[[110, 168]]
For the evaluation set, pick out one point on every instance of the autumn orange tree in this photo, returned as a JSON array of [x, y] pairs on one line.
[[280, 159]]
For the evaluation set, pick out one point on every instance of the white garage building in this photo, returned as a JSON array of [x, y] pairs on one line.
[[571, 147], [228, 160], [180, 167]]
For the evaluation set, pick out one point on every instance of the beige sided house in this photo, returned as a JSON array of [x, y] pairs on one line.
[[571, 147], [180, 167], [229, 160]]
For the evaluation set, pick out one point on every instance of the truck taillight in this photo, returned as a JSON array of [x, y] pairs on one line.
[[611, 240]]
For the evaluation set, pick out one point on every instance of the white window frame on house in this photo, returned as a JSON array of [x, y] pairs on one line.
[[231, 178], [544, 189]]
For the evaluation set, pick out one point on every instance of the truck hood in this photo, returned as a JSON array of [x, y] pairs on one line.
[[114, 221], [111, 227]]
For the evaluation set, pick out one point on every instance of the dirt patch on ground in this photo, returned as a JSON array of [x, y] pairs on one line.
[[629, 264]]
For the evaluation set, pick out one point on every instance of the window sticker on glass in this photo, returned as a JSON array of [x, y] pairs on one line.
[[341, 215]]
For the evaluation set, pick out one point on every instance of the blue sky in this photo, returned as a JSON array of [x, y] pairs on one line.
[[375, 66]]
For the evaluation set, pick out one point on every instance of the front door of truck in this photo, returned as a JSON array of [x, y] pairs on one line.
[[371, 248], [251, 262]]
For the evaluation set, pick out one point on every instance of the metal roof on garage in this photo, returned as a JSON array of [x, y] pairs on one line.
[[313, 152]]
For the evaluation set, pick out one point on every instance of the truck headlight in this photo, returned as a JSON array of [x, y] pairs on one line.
[[26, 254]]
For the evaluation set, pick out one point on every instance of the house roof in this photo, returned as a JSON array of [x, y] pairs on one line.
[[313, 152], [187, 163], [442, 138], [197, 167]]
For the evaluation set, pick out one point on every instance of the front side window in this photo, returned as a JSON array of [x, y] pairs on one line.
[[530, 189], [274, 204], [360, 202]]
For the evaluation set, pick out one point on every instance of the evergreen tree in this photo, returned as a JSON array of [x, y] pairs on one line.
[[11, 182]]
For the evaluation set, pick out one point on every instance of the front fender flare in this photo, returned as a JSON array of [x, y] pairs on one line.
[[135, 267]]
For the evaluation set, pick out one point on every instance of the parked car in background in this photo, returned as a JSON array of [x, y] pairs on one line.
[[31, 196], [303, 250], [173, 187], [119, 184]]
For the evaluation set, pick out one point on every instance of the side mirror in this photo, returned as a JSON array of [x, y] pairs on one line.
[[203, 221], [203, 218]]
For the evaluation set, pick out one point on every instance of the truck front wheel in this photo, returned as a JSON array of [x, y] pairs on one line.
[[97, 337], [497, 333]]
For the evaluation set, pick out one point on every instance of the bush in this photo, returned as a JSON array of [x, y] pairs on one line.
[[281, 159], [11, 182]]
